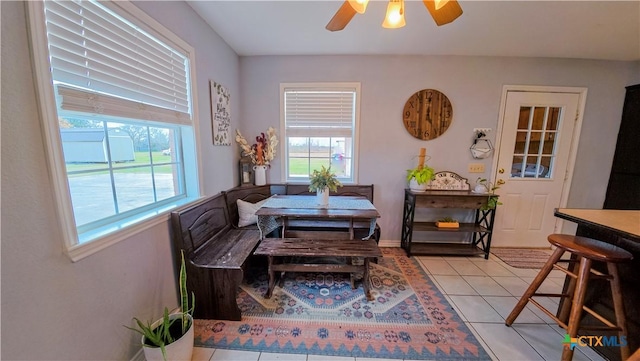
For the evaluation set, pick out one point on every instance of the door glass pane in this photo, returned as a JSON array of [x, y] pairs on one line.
[[521, 142], [516, 166], [554, 116], [549, 143], [538, 118], [534, 143], [536, 139], [523, 121], [546, 163]]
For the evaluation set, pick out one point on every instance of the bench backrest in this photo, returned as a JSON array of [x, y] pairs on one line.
[[251, 194], [346, 190], [196, 224]]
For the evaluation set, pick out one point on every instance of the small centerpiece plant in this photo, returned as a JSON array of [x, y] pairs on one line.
[[322, 181]]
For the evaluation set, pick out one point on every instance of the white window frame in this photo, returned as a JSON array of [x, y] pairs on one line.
[[53, 145], [350, 86]]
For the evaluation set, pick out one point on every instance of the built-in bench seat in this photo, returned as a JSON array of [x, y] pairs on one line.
[[217, 254]]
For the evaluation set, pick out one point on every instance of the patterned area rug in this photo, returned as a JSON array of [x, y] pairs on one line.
[[315, 313], [522, 257]]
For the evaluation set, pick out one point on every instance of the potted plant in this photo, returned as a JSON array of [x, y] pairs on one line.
[[322, 181], [447, 222], [171, 337], [484, 186], [419, 178]]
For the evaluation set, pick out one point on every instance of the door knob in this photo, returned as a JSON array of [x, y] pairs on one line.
[[501, 170], [500, 182]]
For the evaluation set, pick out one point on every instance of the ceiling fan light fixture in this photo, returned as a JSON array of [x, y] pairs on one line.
[[440, 3], [359, 5], [394, 18]]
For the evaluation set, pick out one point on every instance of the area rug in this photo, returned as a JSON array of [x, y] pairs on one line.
[[522, 257], [316, 313]]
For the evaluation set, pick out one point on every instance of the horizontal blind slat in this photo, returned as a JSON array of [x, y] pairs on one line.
[[319, 112], [80, 100], [92, 48]]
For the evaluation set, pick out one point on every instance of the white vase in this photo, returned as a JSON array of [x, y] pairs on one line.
[[322, 197], [260, 172], [180, 349], [414, 186]]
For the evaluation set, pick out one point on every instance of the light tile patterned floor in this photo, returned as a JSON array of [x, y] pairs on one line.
[[483, 292]]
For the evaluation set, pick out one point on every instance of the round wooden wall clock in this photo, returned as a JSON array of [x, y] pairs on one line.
[[427, 114]]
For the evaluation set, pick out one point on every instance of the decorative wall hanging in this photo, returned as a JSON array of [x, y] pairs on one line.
[[427, 114], [481, 147], [220, 114], [446, 180]]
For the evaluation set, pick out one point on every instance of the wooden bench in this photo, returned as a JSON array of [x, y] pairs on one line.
[[217, 253], [283, 249]]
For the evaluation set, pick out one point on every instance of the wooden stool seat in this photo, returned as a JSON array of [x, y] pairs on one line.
[[590, 248], [586, 250]]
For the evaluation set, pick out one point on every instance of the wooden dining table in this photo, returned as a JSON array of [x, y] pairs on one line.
[[286, 210], [621, 228]]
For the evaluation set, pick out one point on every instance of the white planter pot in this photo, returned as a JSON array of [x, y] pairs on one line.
[[181, 349], [260, 172], [322, 197], [414, 186]]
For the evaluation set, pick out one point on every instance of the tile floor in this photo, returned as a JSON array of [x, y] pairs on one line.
[[483, 292]]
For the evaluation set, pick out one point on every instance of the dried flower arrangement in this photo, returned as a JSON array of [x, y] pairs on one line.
[[263, 151]]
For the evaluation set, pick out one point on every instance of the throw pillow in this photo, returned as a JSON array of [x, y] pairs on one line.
[[247, 212]]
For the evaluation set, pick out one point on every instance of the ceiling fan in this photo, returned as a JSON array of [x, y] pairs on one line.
[[442, 11]]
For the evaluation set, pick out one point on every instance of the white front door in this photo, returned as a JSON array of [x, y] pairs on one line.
[[535, 146]]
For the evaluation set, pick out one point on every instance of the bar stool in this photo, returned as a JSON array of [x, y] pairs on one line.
[[585, 250]]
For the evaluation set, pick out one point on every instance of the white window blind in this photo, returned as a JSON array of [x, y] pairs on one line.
[[313, 113], [93, 51]]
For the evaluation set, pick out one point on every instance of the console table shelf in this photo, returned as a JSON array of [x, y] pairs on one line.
[[480, 243], [431, 227], [446, 249]]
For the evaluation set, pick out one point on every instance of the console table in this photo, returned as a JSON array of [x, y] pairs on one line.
[[462, 199]]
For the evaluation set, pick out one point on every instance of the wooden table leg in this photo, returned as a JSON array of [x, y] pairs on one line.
[[365, 280], [352, 276], [272, 278]]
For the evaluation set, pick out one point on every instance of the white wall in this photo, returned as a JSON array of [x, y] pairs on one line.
[[53, 309], [474, 87]]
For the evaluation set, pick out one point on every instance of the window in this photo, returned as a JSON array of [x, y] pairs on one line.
[[115, 90], [319, 123]]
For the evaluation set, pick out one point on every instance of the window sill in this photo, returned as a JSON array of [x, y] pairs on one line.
[[99, 239]]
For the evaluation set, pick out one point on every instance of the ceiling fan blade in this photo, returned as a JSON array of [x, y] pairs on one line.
[[446, 14], [341, 18]]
